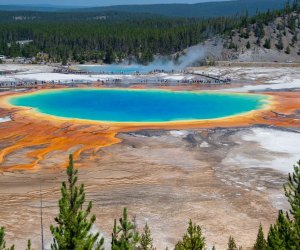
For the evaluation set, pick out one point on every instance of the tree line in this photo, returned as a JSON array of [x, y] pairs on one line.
[[137, 39], [72, 230], [86, 41]]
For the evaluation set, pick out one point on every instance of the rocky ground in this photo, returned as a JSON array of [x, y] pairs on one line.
[[227, 180]]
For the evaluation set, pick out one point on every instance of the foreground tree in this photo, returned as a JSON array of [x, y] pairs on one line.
[[193, 239], [29, 245], [285, 233], [73, 230], [124, 236], [2, 241], [292, 192], [231, 244], [146, 242], [280, 234], [261, 243]]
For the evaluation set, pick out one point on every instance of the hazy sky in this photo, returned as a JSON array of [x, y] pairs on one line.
[[97, 2]]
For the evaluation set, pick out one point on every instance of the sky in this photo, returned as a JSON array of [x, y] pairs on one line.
[[96, 2]]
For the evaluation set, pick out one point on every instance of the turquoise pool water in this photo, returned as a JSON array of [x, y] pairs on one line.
[[116, 69], [123, 105]]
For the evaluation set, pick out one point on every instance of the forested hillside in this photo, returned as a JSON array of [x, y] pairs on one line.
[[94, 40], [133, 37], [267, 37], [103, 16]]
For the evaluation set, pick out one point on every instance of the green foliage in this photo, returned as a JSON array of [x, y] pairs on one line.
[[147, 57], [285, 233], [110, 55], [64, 61], [245, 34], [124, 236], [294, 38], [78, 36], [261, 243], [288, 50], [292, 192], [232, 46], [291, 23], [248, 45], [281, 234], [258, 41], [73, 230], [2, 241], [259, 31], [231, 244], [279, 45], [267, 43], [193, 239], [146, 241], [29, 245]]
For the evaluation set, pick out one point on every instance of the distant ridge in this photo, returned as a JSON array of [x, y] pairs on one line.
[[31, 7], [199, 10], [208, 9]]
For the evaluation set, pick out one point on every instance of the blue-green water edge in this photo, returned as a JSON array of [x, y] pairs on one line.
[[116, 69], [123, 105]]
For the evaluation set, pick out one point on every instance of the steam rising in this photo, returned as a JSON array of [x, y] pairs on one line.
[[191, 56]]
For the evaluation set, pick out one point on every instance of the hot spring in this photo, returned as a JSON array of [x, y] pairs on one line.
[[116, 69], [125, 105]]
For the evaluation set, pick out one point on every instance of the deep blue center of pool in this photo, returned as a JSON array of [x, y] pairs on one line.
[[120, 105]]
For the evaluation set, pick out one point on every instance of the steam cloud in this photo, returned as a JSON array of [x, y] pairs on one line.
[[191, 56]]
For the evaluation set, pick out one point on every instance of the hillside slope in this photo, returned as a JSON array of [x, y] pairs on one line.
[[199, 10], [275, 40]]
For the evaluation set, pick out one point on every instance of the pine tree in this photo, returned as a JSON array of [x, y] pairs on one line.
[[73, 225], [267, 44], [2, 240], [248, 45], [231, 244], [294, 39], [292, 192], [279, 45], [124, 236], [110, 56], [64, 61], [29, 245], [146, 242], [285, 233], [274, 242], [261, 243], [193, 239], [281, 235]]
